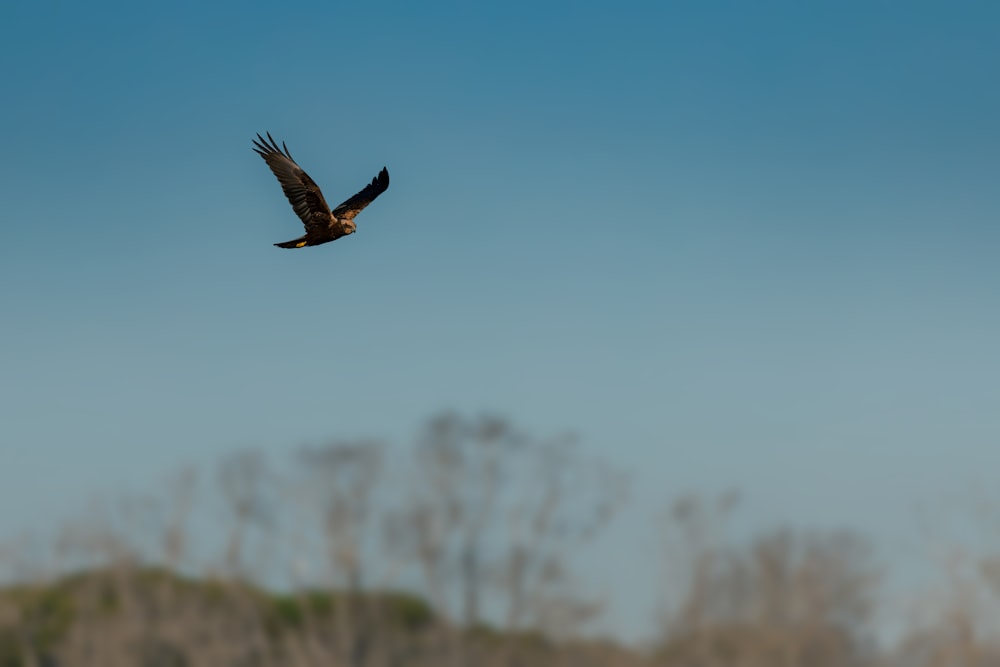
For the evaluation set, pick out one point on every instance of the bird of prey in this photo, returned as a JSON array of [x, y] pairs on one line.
[[322, 224]]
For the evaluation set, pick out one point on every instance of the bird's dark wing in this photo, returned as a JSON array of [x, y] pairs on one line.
[[356, 204], [304, 195]]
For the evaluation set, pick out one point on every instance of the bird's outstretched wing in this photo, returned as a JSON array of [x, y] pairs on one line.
[[357, 203], [303, 194]]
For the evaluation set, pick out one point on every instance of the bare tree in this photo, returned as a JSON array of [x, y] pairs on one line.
[[342, 482], [782, 600], [494, 514], [247, 487]]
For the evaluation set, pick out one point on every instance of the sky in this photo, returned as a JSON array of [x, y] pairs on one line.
[[730, 244]]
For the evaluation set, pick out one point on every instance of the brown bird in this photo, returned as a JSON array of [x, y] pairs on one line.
[[322, 224]]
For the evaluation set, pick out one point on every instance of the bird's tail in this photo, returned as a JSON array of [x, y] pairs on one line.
[[297, 243]]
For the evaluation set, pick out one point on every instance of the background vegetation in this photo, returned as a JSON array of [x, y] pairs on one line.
[[460, 550]]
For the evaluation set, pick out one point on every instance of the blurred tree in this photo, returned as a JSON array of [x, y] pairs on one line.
[[497, 514], [782, 600]]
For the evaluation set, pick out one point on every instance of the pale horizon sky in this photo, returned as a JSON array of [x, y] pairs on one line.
[[746, 245]]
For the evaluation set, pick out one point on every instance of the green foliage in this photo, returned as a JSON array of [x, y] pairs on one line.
[[399, 611], [41, 614]]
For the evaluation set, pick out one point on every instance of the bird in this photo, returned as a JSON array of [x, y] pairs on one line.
[[322, 224]]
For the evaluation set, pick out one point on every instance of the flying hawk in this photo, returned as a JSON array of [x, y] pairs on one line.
[[322, 224]]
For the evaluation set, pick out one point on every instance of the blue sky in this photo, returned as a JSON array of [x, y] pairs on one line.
[[730, 244]]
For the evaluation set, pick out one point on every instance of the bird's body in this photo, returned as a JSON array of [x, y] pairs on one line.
[[322, 224]]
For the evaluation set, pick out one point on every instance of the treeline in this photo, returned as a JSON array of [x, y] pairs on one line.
[[460, 550]]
